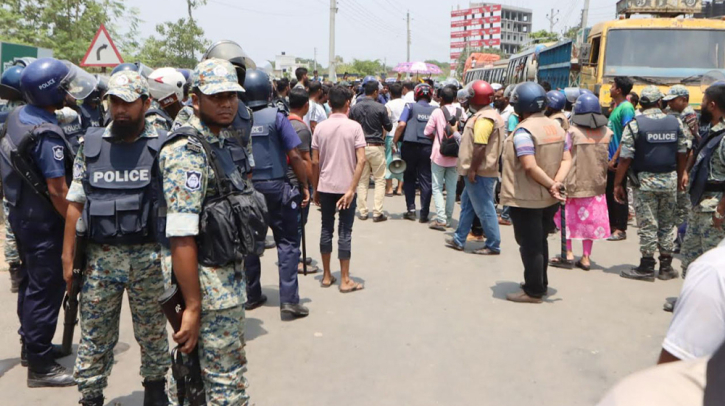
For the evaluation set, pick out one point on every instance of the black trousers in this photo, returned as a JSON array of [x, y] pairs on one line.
[[328, 204], [417, 160], [618, 213], [530, 230]]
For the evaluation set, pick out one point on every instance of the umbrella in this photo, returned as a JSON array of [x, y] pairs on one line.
[[418, 67]]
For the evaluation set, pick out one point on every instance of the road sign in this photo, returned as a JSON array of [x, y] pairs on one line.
[[10, 53], [102, 52]]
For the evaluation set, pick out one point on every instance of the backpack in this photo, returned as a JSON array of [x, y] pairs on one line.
[[448, 143]]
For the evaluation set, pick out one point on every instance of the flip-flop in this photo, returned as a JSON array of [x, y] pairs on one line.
[[618, 237], [310, 269], [582, 266], [355, 288], [558, 262], [332, 282]]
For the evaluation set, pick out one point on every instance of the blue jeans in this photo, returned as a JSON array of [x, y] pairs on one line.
[[444, 176], [506, 213], [477, 200]]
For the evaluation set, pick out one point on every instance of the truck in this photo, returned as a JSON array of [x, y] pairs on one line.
[[558, 67], [663, 51]]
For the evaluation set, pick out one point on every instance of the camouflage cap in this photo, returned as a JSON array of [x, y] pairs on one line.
[[650, 94], [214, 76], [675, 92], [128, 86]]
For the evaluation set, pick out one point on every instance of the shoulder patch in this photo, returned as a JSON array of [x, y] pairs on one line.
[[58, 153], [77, 171], [194, 145], [193, 180]]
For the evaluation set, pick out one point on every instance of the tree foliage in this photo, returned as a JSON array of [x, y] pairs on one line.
[[361, 67], [572, 32], [67, 26], [540, 36]]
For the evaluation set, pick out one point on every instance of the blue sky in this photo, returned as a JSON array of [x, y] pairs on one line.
[[366, 29]]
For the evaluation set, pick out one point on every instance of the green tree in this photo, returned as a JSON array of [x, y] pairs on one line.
[[572, 33], [179, 44], [543, 36], [67, 26]]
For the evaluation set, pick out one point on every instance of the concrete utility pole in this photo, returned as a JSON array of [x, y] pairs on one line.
[[333, 11], [408, 22], [314, 61], [585, 15], [551, 17]]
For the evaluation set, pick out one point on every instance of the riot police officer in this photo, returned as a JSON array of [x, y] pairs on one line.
[[416, 151], [92, 113], [166, 86], [535, 163], [556, 102], [115, 192], [274, 141], [191, 178], [34, 182], [655, 146]]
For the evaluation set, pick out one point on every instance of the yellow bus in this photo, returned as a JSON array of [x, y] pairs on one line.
[[653, 51]]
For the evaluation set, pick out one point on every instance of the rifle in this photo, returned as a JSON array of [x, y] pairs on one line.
[[186, 370], [70, 302]]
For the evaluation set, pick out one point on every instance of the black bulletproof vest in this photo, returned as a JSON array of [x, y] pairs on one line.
[[91, 117], [700, 172], [20, 175], [656, 144], [415, 127], [121, 188], [242, 124], [73, 132]]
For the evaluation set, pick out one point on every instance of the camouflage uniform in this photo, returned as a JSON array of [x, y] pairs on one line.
[[701, 236], [655, 200], [221, 340], [689, 118], [110, 270], [156, 120]]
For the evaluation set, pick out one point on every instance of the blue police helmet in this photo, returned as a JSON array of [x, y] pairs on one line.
[[258, 88], [528, 97], [11, 77], [42, 82], [185, 72], [124, 67], [367, 79], [587, 103], [586, 91], [556, 100]]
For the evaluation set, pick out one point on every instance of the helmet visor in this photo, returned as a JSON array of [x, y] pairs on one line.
[[78, 83], [144, 70], [231, 52]]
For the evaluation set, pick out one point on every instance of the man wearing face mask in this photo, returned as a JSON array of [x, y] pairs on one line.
[[35, 185], [704, 223], [114, 172]]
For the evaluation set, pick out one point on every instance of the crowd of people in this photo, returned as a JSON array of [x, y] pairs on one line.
[[174, 176]]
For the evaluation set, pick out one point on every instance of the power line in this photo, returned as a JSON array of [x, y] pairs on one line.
[[234, 6]]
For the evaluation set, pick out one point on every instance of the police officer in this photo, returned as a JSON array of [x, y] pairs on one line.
[[704, 224], [535, 163], [215, 314], [10, 91], [92, 113], [556, 102], [416, 151], [166, 86], [116, 195], [35, 186], [274, 141], [655, 146]]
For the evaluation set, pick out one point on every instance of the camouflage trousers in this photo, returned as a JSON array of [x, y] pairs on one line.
[[701, 237], [11, 247], [683, 207], [656, 221], [111, 270]]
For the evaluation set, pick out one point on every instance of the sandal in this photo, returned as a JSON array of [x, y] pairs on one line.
[[620, 236], [564, 263], [355, 288], [579, 264], [326, 285]]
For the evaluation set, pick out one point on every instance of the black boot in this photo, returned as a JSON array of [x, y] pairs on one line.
[[666, 270], [154, 393], [14, 269], [56, 352], [644, 272], [51, 375], [97, 401]]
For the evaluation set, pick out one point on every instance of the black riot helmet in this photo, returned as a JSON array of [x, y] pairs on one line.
[[258, 89], [232, 52]]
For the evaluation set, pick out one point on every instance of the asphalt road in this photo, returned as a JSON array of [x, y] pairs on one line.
[[432, 327]]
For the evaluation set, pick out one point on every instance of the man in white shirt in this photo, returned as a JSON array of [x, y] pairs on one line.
[[408, 94], [502, 105], [697, 328], [317, 112], [395, 108]]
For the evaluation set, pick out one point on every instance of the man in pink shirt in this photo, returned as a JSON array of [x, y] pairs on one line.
[[338, 158], [443, 168]]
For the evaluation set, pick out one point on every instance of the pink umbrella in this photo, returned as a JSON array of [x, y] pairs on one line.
[[418, 67]]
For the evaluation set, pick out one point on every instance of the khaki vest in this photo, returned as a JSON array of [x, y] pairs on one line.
[[560, 116], [517, 188], [589, 150], [489, 166]]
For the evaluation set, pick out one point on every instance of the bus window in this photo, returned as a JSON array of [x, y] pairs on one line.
[[594, 51]]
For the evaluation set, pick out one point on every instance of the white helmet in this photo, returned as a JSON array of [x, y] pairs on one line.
[[166, 82]]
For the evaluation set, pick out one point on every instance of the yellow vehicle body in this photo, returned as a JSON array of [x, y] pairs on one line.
[[686, 49]]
